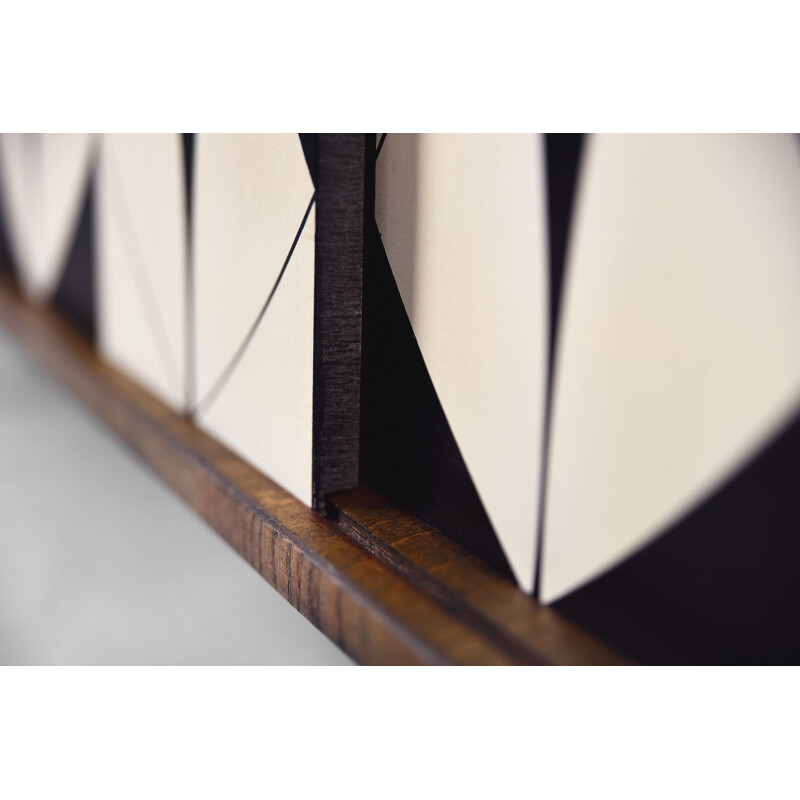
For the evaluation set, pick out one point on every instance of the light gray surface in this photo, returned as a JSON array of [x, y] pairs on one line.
[[101, 564]]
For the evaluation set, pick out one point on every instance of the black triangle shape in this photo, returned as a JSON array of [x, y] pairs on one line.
[[75, 293], [564, 152], [562, 158], [722, 586], [310, 143], [188, 174], [188, 142], [408, 451], [6, 257]]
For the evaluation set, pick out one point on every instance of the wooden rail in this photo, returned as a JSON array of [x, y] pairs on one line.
[[381, 584]]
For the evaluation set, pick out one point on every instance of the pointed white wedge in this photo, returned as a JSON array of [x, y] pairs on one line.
[[679, 349], [462, 218]]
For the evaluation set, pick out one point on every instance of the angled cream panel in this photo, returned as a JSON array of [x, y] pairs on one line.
[[141, 259], [67, 165], [251, 194], [462, 218], [44, 178], [19, 157], [679, 350]]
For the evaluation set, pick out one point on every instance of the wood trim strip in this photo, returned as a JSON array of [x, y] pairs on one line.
[[466, 586], [343, 577]]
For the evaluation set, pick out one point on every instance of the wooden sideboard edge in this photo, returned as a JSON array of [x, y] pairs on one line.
[[372, 613], [375, 604], [565, 643]]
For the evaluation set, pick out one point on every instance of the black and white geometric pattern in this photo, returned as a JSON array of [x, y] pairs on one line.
[[580, 354]]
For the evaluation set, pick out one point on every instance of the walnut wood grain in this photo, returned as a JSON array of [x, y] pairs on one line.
[[462, 583], [383, 586]]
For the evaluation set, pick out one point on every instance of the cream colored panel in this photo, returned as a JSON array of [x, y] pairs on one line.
[[251, 194], [462, 219], [22, 195], [44, 179], [679, 352], [142, 260]]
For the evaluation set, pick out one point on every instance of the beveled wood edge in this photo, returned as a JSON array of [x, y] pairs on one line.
[[379, 608], [465, 585]]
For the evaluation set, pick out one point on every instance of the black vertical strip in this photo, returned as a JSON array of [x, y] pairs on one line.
[[562, 157], [371, 158], [75, 295], [188, 140], [339, 176], [7, 264], [310, 144], [188, 173], [6, 258], [563, 162], [722, 585]]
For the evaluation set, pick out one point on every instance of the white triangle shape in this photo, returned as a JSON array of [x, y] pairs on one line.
[[462, 218], [679, 349]]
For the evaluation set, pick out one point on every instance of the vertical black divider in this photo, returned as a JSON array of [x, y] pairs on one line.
[[188, 142], [337, 163]]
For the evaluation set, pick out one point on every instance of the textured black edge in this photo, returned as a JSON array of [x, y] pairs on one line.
[[339, 256]]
